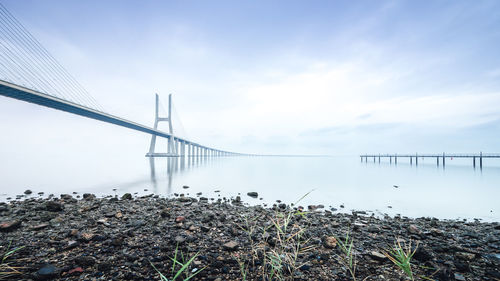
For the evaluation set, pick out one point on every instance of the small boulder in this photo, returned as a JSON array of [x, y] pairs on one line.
[[9, 225], [127, 196], [53, 206], [27, 192], [253, 194], [47, 272]]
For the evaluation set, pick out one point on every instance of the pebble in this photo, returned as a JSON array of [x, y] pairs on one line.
[[253, 194], [231, 245]]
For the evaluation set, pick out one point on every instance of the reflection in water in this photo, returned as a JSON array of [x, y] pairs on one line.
[[174, 166]]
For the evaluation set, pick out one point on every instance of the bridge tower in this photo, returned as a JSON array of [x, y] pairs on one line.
[[171, 148]]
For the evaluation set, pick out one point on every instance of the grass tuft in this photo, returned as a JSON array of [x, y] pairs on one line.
[[401, 256], [6, 269], [180, 265]]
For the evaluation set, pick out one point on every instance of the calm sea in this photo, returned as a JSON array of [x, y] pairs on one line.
[[457, 192]]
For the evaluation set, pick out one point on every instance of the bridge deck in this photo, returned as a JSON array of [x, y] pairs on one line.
[[18, 92]]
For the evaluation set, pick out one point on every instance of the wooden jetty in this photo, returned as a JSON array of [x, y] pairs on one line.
[[474, 156]]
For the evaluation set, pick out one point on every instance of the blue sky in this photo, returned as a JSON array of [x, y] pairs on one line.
[[334, 77]]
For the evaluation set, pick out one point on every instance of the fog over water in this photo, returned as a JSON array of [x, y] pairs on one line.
[[113, 158]]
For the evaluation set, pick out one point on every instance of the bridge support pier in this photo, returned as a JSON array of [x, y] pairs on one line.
[[474, 162], [444, 160], [416, 159], [481, 160], [183, 149]]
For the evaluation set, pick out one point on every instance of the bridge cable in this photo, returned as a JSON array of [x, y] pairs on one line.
[[15, 27], [47, 64], [23, 57], [16, 53], [40, 65]]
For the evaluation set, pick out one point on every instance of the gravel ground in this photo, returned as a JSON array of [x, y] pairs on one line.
[[121, 238]]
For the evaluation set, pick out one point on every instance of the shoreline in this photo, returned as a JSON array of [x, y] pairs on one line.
[[117, 239]]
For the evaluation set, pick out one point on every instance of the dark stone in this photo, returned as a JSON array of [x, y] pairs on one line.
[[164, 214], [53, 206], [88, 196], [127, 196], [104, 266], [47, 272], [423, 254], [66, 197], [462, 266], [493, 273], [27, 192], [253, 194], [10, 225], [85, 260], [305, 267], [185, 187]]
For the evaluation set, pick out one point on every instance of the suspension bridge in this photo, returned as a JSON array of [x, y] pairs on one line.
[[28, 72]]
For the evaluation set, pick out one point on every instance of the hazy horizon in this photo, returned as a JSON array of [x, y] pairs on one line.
[[287, 77]]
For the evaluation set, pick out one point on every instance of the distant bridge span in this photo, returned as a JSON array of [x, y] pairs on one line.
[[193, 149]]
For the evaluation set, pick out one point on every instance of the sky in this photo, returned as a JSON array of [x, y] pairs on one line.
[[284, 77]]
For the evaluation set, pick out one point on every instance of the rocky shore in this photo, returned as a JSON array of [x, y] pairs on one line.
[[123, 238]]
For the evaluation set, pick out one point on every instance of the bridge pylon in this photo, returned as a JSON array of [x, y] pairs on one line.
[[172, 148]]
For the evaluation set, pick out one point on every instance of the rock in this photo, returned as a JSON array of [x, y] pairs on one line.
[[88, 196], [314, 207], [253, 194], [47, 272], [86, 236], [330, 242], [180, 219], [423, 254], [231, 246], [76, 270], [413, 229], [179, 239], [66, 197], [377, 256], [105, 266], [185, 187], [185, 199], [465, 256], [71, 244], [85, 260], [305, 267], [10, 225], [459, 277], [40, 226], [53, 206], [27, 192], [462, 266], [127, 196]]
